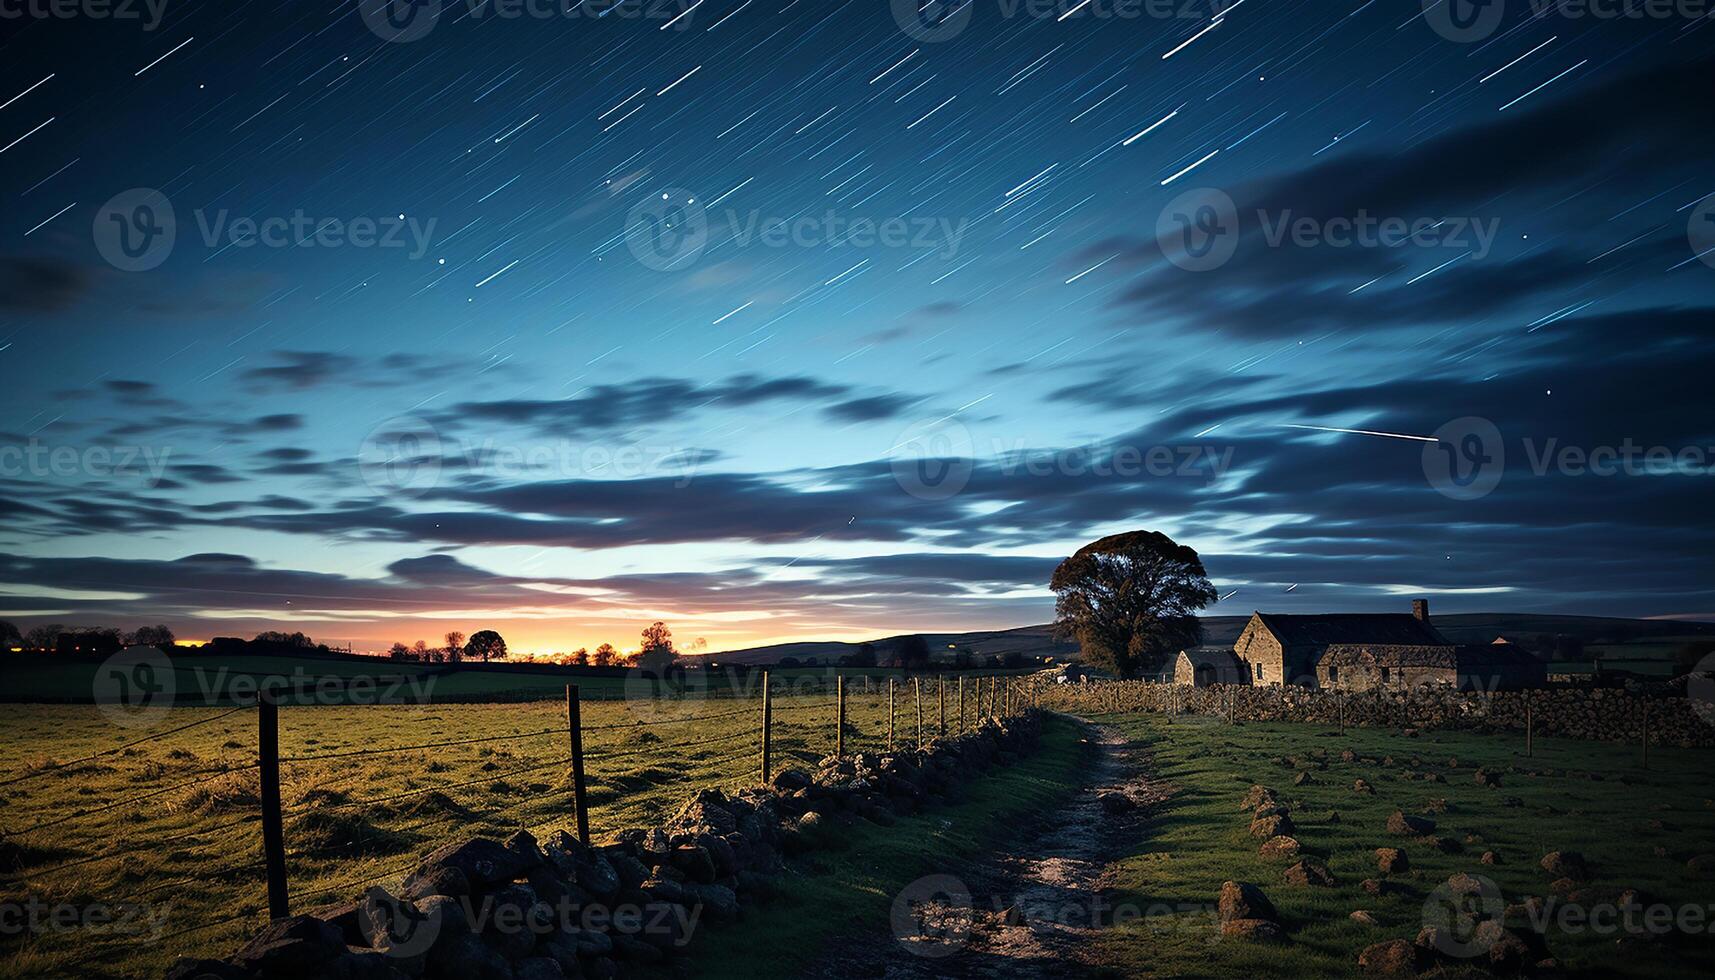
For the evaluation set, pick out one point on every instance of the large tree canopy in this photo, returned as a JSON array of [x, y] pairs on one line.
[[485, 645], [1131, 600]]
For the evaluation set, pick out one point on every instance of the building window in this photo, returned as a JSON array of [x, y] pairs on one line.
[[1333, 674], [1384, 675], [1259, 672]]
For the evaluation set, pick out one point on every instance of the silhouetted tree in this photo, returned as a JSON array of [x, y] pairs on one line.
[[486, 645], [9, 636], [1131, 600], [398, 651], [865, 655], [455, 646], [656, 655], [604, 656], [420, 650], [43, 637], [285, 639], [911, 652], [159, 637]]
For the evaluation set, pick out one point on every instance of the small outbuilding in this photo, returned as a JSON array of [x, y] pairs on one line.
[[1208, 665]]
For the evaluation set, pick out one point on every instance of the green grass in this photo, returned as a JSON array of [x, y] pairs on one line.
[[1200, 838], [192, 855], [850, 891]]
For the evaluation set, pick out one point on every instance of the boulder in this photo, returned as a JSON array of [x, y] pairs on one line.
[[1399, 823], [1278, 825], [468, 958], [1363, 918], [1566, 864], [484, 863], [1392, 860], [1393, 958], [1363, 786], [1490, 858], [538, 968], [1116, 803], [1309, 871], [1280, 847], [790, 780], [1242, 900]]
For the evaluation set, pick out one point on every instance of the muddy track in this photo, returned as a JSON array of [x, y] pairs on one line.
[[1028, 909]]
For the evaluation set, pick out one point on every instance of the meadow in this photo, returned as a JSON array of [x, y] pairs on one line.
[[166, 833], [1637, 829]]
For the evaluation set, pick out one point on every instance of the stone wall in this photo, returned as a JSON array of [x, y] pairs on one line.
[[1599, 714], [523, 909]]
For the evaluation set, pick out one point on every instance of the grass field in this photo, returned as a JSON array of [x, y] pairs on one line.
[[101, 834], [1570, 795]]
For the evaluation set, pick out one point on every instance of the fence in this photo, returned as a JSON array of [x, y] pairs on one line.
[[314, 809]]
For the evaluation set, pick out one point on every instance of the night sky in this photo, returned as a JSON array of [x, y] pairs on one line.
[[834, 319]]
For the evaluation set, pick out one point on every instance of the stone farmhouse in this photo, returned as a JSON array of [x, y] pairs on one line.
[[1358, 652]]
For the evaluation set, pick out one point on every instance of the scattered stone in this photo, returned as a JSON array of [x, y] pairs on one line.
[[1116, 803], [1486, 778], [1701, 864], [1490, 858], [1242, 900], [1279, 847], [1393, 958], [1363, 786], [1380, 888], [1566, 864], [1364, 918], [1309, 871], [1399, 823], [1392, 861], [1303, 778], [1279, 825]]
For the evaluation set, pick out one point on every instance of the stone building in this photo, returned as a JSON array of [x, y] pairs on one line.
[[1203, 666], [1499, 666], [1353, 651]]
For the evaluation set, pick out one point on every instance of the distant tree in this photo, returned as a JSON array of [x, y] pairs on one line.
[[605, 656], [911, 653], [9, 636], [656, 655], [298, 640], [44, 637], [864, 656], [160, 637], [963, 658], [1131, 600], [1012, 658], [455, 646], [788, 662], [485, 645], [580, 657], [398, 651], [89, 639], [420, 651]]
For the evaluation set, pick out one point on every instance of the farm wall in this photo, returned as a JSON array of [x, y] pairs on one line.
[[1601, 714]]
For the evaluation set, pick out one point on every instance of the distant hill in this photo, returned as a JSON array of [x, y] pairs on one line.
[[1603, 635]]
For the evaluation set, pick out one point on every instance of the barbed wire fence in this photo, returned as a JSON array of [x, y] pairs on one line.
[[809, 718]]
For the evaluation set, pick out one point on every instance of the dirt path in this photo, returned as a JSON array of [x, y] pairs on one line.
[[1027, 910]]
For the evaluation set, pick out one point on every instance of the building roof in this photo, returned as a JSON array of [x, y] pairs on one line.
[[1369, 629], [1496, 655], [1222, 657]]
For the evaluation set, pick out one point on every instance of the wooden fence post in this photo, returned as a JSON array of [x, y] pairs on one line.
[[840, 717], [941, 702], [575, 725], [1529, 726], [890, 686], [767, 732], [961, 702], [273, 830], [917, 685]]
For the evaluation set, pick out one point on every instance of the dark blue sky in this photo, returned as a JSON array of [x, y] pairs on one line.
[[782, 320]]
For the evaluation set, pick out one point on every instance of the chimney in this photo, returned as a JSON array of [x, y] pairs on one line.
[[1420, 610]]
